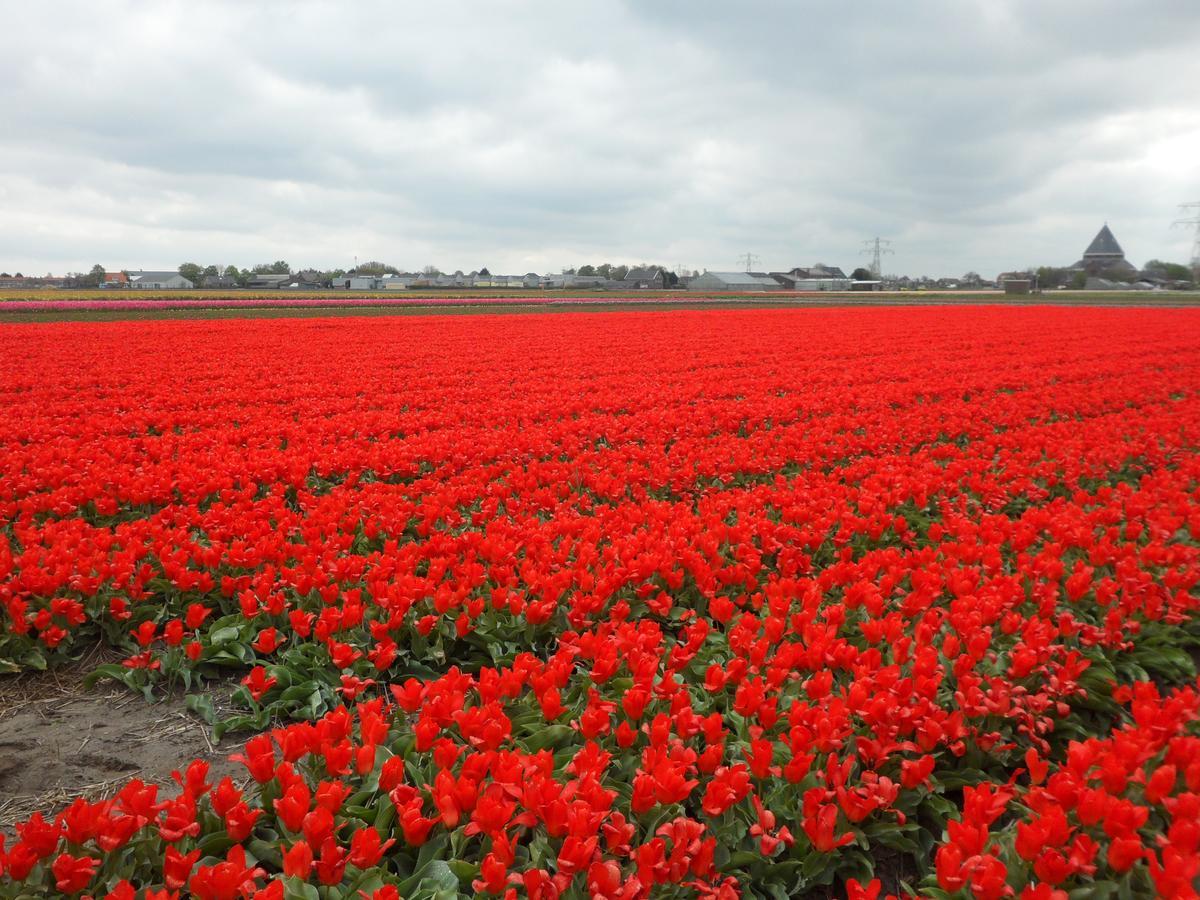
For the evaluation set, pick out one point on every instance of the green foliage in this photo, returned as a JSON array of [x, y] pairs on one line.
[[193, 272], [374, 267], [94, 278], [279, 267], [1054, 276], [1172, 271]]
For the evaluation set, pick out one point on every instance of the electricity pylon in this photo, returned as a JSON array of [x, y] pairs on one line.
[[877, 247], [1193, 220]]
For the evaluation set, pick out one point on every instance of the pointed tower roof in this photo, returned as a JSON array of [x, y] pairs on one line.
[[1104, 244]]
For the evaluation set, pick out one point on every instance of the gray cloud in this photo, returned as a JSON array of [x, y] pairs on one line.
[[523, 134]]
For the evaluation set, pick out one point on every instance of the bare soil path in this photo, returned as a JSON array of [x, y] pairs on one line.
[[60, 740]]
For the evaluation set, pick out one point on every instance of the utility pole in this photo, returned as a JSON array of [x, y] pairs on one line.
[[1191, 217], [749, 259], [876, 248]]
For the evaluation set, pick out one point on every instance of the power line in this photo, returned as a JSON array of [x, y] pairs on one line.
[[876, 247], [749, 259], [1194, 220]]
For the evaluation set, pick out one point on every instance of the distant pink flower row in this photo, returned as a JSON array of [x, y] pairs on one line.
[[294, 302]]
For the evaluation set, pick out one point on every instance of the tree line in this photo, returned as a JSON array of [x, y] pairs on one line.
[[1048, 276], [1054, 276]]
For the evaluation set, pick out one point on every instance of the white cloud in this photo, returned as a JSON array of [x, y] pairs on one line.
[[527, 134]]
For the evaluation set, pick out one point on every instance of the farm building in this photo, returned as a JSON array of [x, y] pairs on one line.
[[397, 282], [308, 280], [813, 278], [584, 281], [577, 282], [266, 280], [733, 281], [516, 282], [1106, 284], [357, 282], [31, 281], [158, 281], [791, 282], [818, 272], [646, 279], [821, 284]]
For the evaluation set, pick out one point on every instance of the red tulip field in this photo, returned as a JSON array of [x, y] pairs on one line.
[[723, 603]]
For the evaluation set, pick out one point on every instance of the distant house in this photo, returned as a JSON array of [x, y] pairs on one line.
[[733, 281], [158, 281], [457, 280], [115, 280], [512, 282], [1104, 284], [262, 280], [1004, 277], [352, 282], [643, 279], [584, 282], [813, 278], [219, 282], [820, 270], [32, 281], [307, 280], [397, 282]]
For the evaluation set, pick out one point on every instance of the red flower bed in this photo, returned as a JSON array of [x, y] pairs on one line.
[[757, 603]]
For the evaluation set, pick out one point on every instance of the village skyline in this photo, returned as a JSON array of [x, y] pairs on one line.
[[1103, 266]]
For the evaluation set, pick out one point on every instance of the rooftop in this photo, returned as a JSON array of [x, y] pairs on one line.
[[742, 277], [1103, 244]]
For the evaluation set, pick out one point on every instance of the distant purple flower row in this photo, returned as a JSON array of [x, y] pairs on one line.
[[294, 302]]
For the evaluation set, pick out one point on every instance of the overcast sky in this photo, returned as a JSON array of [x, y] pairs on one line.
[[536, 135]]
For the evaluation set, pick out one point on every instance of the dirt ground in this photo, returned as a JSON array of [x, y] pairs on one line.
[[59, 741]]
